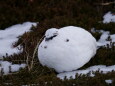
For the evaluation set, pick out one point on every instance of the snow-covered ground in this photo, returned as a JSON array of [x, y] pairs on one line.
[[7, 67], [92, 69], [109, 81], [109, 17], [105, 38], [10, 35]]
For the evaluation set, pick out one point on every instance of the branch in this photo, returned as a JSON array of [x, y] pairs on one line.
[[35, 50]]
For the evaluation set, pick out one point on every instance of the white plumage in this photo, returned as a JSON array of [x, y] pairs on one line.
[[66, 49]]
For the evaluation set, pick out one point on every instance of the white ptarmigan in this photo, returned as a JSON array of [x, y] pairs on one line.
[[66, 49]]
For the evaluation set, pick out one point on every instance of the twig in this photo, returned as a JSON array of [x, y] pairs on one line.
[[108, 3], [35, 50], [104, 4]]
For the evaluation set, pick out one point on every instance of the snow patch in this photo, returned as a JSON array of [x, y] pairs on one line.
[[10, 35], [105, 39], [92, 69], [109, 81], [108, 17], [7, 67]]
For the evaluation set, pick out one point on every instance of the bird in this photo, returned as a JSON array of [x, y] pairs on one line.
[[67, 48]]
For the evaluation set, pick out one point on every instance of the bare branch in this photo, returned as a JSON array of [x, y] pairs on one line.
[[35, 50]]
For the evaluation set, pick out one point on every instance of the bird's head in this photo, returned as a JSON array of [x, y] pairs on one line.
[[50, 34]]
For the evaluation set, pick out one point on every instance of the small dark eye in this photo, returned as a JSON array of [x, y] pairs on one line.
[[67, 40], [45, 46]]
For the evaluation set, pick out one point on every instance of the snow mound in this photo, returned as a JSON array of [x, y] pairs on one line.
[[105, 39], [92, 69], [10, 35], [7, 67], [109, 81], [108, 17], [66, 49]]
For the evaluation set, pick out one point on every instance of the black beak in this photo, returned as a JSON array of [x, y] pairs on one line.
[[50, 38]]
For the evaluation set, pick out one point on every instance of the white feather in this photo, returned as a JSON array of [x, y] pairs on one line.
[[70, 49]]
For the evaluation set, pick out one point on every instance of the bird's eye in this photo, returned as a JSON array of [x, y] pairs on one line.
[[67, 40], [45, 46]]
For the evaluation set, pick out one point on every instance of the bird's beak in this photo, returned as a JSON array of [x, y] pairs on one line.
[[50, 38]]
